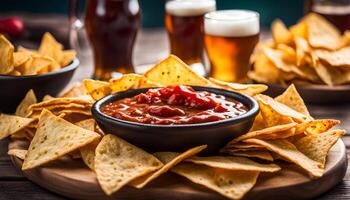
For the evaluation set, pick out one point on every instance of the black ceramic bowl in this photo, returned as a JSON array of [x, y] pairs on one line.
[[178, 137], [14, 88]]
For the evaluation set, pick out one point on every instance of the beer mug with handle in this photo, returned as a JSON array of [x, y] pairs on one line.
[[108, 28]]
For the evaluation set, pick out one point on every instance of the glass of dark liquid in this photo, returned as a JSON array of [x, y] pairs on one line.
[[111, 27], [336, 11]]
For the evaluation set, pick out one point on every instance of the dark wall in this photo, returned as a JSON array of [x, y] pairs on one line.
[[153, 10]]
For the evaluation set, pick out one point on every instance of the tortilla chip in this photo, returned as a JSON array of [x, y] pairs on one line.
[[248, 89], [47, 97], [231, 184], [97, 89], [67, 57], [302, 50], [233, 163], [291, 98], [50, 47], [173, 71], [317, 146], [19, 153], [274, 132], [337, 58], [281, 109], [55, 137], [261, 154], [117, 163], [299, 30], [29, 99], [81, 100], [6, 55], [258, 123], [280, 33], [264, 70], [126, 82], [144, 180], [76, 90], [316, 126], [288, 151], [36, 65], [20, 58], [276, 57], [321, 33], [10, 124], [289, 54], [87, 152]]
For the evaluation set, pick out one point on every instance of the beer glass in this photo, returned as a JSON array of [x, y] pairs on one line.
[[336, 11], [111, 27], [230, 38], [184, 24]]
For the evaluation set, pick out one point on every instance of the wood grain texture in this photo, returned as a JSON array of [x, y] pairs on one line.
[[14, 186]]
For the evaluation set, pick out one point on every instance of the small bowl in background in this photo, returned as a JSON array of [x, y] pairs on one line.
[[14, 88]]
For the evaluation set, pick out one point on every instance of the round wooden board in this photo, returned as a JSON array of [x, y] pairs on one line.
[[319, 94], [72, 179]]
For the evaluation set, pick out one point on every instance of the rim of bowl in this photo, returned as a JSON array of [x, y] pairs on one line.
[[252, 112], [72, 66]]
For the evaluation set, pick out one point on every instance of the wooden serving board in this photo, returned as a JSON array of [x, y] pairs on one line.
[[71, 178]]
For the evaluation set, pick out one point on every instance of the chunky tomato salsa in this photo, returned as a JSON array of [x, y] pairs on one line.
[[174, 105]]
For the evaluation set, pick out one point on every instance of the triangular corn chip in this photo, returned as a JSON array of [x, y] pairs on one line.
[[55, 137], [29, 99], [287, 150], [10, 124], [233, 163], [50, 47], [317, 146], [248, 89], [173, 71], [280, 33], [19, 153], [261, 154], [291, 98], [117, 163], [6, 55], [142, 181], [231, 184]]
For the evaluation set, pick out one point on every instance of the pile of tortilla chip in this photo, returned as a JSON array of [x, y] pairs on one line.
[[283, 131], [48, 58], [313, 51]]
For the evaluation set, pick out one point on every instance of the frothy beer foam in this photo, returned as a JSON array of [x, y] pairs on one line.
[[187, 8], [232, 23]]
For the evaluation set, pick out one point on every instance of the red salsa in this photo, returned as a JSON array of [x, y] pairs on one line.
[[174, 105]]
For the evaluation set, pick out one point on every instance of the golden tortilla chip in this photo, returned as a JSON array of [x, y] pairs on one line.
[[261, 154], [144, 180], [117, 163], [248, 89], [67, 57], [291, 98], [87, 152], [50, 47], [280, 33], [277, 107], [97, 89], [276, 57], [6, 55], [20, 58], [289, 54], [322, 33], [29, 99], [36, 65], [317, 146], [233, 163], [19, 153], [264, 70], [126, 82], [258, 123], [337, 58], [270, 133], [302, 50], [231, 184], [316, 126], [76, 90], [299, 30], [173, 71], [11, 124], [288, 151], [54, 138]]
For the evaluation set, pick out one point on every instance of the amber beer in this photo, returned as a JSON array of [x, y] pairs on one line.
[[230, 38], [184, 24], [111, 27]]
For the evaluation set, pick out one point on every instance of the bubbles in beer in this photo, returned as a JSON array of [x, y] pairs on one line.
[[190, 7], [232, 23]]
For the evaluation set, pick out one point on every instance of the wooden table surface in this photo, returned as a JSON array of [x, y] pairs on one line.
[[151, 47]]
